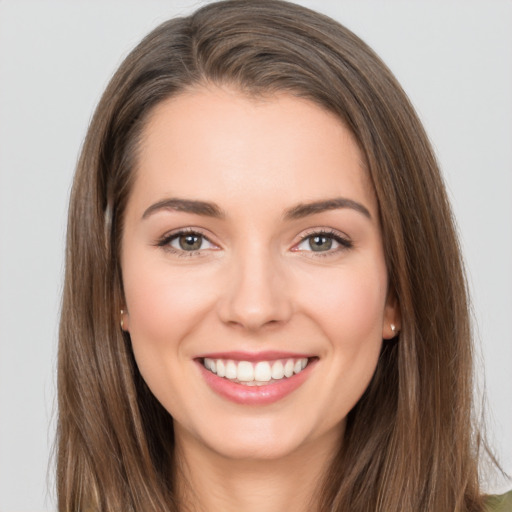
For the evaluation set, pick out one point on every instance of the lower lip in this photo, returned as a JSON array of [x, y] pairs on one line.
[[255, 395]]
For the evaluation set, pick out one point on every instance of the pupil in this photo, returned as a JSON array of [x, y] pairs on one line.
[[190, 242], [320, 243]]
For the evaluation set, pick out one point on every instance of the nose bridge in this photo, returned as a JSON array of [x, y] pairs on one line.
[[256, 294]]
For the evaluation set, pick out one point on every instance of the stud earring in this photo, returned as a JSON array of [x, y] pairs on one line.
[[393, 328], [122, 320]]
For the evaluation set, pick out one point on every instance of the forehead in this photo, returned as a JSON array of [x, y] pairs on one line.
[[220, 144]]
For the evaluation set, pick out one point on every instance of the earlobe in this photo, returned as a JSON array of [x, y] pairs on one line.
[[390, 331], [392, 318], [124, 321]]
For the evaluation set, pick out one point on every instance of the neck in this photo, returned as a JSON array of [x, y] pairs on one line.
[[210, 482]]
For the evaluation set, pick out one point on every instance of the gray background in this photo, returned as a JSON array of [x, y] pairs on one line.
[[454, 59]]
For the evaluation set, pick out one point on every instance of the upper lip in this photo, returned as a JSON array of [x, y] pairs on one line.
[[266, 355]]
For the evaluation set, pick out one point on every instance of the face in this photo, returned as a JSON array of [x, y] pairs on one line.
[[255, 283]]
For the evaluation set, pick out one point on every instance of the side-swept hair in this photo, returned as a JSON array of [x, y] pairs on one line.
[[410, 442]]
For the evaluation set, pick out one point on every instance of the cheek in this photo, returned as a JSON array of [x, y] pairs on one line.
[[165, 308], [348, 303], [349, 309], [164, 303]]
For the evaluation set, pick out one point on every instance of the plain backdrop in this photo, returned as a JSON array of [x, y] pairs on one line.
[[454, 59]]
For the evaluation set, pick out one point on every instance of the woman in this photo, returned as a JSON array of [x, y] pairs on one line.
[[264, 306]]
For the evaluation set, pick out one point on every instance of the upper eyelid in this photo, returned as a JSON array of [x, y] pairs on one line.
[[342, 239], [187, 230], [165, 242], [334, 233], [324, 231]]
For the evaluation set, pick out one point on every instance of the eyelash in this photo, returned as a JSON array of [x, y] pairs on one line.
[[344, 243], [165, 242]]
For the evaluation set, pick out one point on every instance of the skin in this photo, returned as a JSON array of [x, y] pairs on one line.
[[254, 285]]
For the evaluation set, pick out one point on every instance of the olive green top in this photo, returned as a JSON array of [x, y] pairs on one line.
[[501, 503]]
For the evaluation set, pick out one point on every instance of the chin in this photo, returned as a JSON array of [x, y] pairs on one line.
[[264, 439]]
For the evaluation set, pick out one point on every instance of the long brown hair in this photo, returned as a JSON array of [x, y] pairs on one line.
[[410, 443]]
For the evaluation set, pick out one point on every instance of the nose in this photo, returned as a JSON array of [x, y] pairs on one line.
[[256, 292]]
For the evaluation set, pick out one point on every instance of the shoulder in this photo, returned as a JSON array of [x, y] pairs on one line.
[[502, 503]]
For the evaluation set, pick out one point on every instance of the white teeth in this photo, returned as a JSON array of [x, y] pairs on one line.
[[262, 371], [255, 374], [277, 370], [221, 368], [245, 371], [288, 368], [231, 370]]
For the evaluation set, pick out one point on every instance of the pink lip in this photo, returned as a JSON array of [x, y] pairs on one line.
[[268, 355], [255, 395]]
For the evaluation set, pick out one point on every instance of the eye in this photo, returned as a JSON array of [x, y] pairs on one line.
[[186, 242], [323, 242]]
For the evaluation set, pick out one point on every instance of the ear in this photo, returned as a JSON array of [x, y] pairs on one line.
[[125, 320], [392, 320]]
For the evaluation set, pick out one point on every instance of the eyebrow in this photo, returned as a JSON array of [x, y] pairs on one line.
[[185, 205], [300, 211], [304, 209]]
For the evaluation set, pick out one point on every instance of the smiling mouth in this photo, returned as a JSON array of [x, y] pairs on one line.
[[260, 373]]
